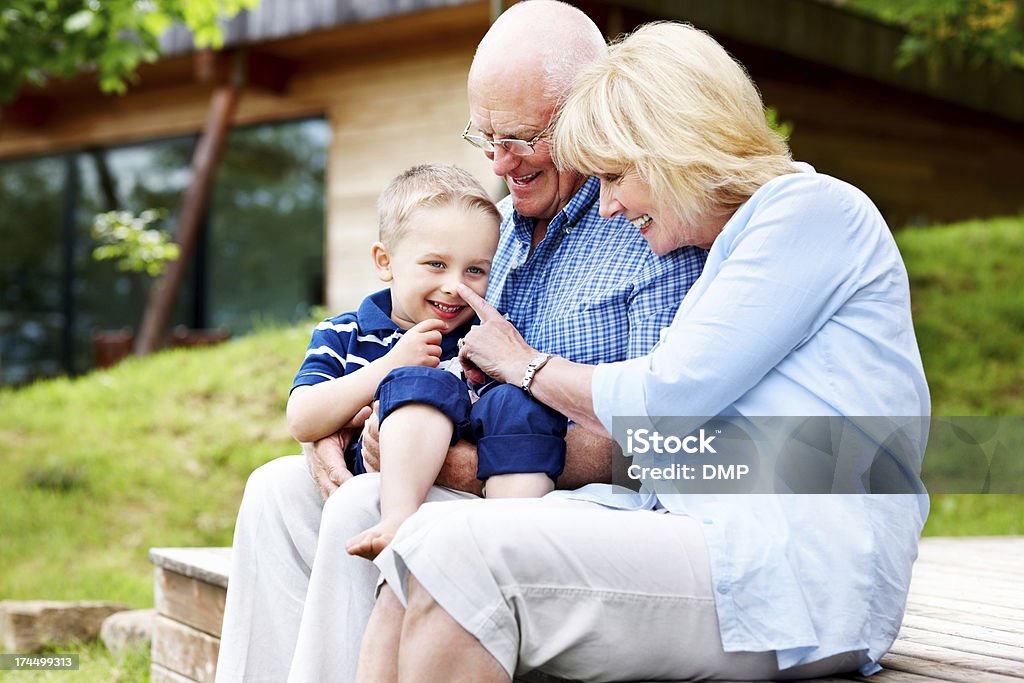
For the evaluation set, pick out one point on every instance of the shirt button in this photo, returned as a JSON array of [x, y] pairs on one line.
[[515, 264], [723, 588]]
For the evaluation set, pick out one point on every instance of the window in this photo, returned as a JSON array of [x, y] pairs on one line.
[[260, 259]]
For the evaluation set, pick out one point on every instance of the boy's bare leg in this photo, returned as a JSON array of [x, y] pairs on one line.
[[528, 485], [413, 444]]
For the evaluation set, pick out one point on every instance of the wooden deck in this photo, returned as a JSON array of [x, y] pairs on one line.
[[964, 622], [965, 615]]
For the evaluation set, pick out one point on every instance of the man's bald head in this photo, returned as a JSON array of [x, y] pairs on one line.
[[535, 40], [523, 69]]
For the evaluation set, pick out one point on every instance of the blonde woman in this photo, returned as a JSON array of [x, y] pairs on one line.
[[802, 309]]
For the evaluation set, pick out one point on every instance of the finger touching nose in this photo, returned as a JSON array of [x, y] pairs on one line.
[[483, 310]]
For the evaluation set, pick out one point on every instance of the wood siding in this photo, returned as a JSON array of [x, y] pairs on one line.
[[394, 93], [387, 117]]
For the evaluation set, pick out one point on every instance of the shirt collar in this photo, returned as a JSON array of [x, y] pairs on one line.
[[375, 313]]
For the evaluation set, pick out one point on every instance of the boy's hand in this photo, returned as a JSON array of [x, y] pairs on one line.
[[420, 345], [326, 457]]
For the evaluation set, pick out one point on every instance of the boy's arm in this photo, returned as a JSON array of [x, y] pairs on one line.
[[326, 458], [319, 410]]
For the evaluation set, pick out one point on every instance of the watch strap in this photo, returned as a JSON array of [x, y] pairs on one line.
[[535, 364]]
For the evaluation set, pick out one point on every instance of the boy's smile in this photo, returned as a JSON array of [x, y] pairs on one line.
[[441, 247]]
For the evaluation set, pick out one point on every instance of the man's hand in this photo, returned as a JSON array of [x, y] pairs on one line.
[[419, 345], [326, 457], [371, 441], [588, 459], [459, 469]]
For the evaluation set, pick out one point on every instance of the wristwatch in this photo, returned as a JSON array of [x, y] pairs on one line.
[[535, 364]]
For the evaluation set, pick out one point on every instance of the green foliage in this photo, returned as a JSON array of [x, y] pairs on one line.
[[783, 128], [41, 39], [131, 241], [975, 33]]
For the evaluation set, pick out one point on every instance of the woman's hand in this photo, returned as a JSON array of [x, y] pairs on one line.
[[494, 347]]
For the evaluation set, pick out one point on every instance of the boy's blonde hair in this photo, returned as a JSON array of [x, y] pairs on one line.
[[670, 103], [424, 186]]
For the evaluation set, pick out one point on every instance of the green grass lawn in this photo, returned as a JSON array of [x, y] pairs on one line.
[[95, 665], [967, 291], [155, 452]]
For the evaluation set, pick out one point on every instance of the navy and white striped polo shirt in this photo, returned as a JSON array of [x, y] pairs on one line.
[[343, 344]]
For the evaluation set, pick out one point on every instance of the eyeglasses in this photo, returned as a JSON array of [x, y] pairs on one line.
[[521, 148]]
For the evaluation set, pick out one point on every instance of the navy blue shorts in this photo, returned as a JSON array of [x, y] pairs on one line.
[[354, 457], [513, 432]]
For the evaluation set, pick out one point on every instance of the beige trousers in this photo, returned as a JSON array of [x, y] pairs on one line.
[[579, 591], [297, 603]]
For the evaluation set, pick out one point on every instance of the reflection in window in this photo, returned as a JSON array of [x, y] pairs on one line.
[[31, 269], [260, 259], [269, 263], [152, 175]]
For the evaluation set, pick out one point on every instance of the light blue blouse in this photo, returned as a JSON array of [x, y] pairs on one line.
[[803, 309]]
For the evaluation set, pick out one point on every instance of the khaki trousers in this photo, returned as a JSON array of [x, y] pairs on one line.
[[580, 591]]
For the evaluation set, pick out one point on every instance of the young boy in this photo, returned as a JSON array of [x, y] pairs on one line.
[[437, 228]]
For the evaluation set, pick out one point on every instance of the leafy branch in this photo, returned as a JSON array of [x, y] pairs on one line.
[[43, 39], [132, 243], [973, 33]]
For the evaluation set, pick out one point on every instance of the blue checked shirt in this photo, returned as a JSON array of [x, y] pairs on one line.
[[592, 291]]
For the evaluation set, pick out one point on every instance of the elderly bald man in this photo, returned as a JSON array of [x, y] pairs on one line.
[[573, 283]]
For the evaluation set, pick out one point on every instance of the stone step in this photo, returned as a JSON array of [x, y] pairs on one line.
[[28, 625]]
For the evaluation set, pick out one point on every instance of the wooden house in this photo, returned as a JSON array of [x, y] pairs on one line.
[[340, 96]]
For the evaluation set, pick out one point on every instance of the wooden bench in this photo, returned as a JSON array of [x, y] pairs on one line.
[[188, 593], [964, 621]]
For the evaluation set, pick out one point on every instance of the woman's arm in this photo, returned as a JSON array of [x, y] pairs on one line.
[[566, 387], [496, 348]]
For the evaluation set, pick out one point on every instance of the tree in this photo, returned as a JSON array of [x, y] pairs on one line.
[[973, 33], [43, 39]]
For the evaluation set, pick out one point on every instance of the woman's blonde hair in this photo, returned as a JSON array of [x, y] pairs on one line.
[[670, 103]]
